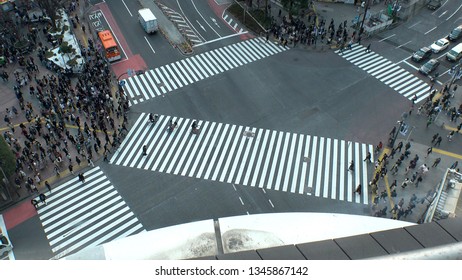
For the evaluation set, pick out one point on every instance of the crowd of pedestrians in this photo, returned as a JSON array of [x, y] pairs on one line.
[[414, 171], [69, 119]]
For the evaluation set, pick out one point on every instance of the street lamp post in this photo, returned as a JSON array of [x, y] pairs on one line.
[[361, 26], [6, 183]]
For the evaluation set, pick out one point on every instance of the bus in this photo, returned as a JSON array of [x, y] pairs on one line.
[[110, 46]]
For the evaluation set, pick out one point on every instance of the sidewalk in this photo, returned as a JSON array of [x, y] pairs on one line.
[[44, 170], [327, 12]]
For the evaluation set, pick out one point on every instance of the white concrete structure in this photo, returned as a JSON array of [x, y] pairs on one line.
[[239, 233]]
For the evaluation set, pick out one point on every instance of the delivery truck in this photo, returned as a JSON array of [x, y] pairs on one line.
[[147, 20]]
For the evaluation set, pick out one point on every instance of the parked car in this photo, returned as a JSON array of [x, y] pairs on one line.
[[455, 33], [440, 45], [429, 66], [422, 54]]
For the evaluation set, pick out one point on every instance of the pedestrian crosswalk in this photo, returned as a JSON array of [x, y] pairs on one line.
[[80, 215], [248, 156], [387, 72], [233, 24], [167, 78]]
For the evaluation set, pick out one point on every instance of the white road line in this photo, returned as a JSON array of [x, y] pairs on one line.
[[127, 8], [343, 166], [455, 12], [304, 179], [430, 30], [152, 49], [230, 155], [312, 162], [283, 162], [298, 159], [219, 39], [223, 153], [272, 205], [386, 38], [192, 1], [327, 170], [249, 144], [240, 199], [411, 65], [237, 155], [402, 45], [274, 161], [414, 24], [321, 156], [267, 160]]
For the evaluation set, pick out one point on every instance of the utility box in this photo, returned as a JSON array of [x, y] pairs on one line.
[[148, 20]]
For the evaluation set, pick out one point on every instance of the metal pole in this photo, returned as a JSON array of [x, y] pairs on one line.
[[364, 18]]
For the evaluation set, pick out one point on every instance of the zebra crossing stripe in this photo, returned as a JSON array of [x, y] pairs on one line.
[[250, 156], [249, 168], [387, 72], [79, 215], [305, 166], [333, 193], [312, 163], [215, 153], [183, 128], [237, 156], [224, 153], [275, 161], [320, 167], [343, 166], [267, 161], [327, 170]]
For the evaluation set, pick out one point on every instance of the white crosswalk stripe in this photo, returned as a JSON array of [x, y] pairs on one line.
[[387, 72], [181, 73], [81, 215], [249, 156]]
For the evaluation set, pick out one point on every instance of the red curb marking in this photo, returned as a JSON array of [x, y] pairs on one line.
[[135, 62], [19, 214]]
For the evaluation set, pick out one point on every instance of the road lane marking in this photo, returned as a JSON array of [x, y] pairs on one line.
[[411, 65], [414, 24], [219, 39], [387, 38], [152, 49], [402, 45], [454, 12], [127, 8], [430, 30]]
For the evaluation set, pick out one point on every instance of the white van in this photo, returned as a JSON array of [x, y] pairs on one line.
[[455, 54], [147, 20]]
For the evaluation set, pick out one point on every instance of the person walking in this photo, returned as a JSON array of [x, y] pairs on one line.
[[43, 198], [429, 151], [145, 150], [405, 183], [81, 178], [368, 49], [436, 162], [368, 157], [400, 146], [454, 165], [435, 137], [358, 189], [71, 169], [352, 166], [438, 141], [408, 146], [77, 159], [47, 185], [459, 127], [450, 135]]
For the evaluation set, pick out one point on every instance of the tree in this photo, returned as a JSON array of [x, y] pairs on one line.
[[294, 6], [50, 7]]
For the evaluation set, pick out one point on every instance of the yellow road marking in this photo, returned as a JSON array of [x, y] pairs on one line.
[[446, 153], [384, 151]]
